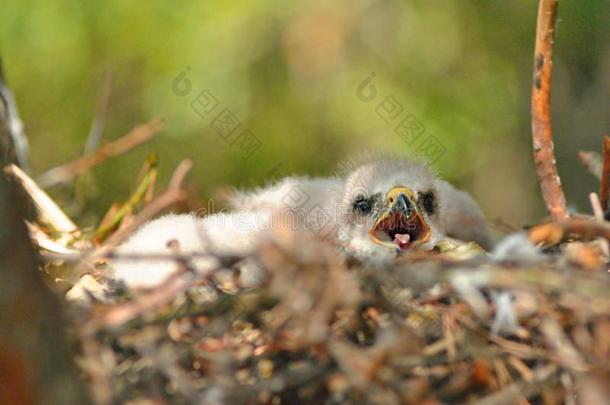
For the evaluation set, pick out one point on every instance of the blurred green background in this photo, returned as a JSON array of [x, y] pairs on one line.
[[289, 72]]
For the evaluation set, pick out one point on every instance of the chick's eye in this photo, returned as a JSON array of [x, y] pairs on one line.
[[362, 204], [428, 202]]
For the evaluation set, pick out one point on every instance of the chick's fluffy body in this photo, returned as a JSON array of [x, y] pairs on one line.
[[324, 206]]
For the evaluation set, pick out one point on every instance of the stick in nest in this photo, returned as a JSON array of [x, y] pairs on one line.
[[605, 179], [552, 233], [173, 194], [48, 211], [542, 135]]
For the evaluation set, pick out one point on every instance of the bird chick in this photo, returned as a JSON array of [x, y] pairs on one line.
[[375, 211], [388, 206], [379, 207], [393, 205]]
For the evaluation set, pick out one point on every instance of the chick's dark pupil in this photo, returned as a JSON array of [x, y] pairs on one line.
[[362, 205]]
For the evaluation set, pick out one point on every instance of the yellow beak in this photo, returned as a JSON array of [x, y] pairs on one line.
[[401, 217]]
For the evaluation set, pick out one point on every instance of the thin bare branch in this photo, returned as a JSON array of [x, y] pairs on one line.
[[604, 184], [171, 196], [592, 161], [99, 119], [583, 229], [106, 227], [598, 213], [12, 135], [596, 206], [135, 137], [180, 173], [513, 392], [162, 294], [542, 135], [48, 210]]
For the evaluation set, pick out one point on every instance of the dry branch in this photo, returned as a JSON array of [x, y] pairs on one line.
[[99, 118], [542, 135], [13, 139], [596, 206], [517, 390], [172, 195], [117, 315], [135, 137], [583, 229], [49, 212], [592, 161], [605, 180], [119, 213]]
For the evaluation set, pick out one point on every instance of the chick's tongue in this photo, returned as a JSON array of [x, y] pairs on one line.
[[402, 239]]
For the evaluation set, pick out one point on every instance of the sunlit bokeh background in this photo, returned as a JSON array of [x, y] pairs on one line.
[[289, 72]]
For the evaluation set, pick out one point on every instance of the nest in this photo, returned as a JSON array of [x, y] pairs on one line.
[[456, 325], [529, 323]]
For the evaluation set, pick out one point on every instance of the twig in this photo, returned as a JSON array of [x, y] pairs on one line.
[[165, 200], [592, 161], [145, 171], [74, 257], [596, 206], [43, 241], [128, 207], [100, 359], [587, 288], [186, 277], [514, 391], [49, 211], [180, 173], [517, 349], [448, 333], [498, 224], [150, 190], [542, 135], [523, 370], [99, 119], [554, 232], [605, 180], [12, 135], [598, 212], [134, 138], [160, 204], [162, 294], [557, 340]]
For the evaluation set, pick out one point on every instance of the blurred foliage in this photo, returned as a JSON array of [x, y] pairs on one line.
[[289, 71]]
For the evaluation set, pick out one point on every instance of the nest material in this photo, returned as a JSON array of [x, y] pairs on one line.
[[431, 328]]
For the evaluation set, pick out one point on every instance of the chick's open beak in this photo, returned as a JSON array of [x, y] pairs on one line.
[[400, 225]]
